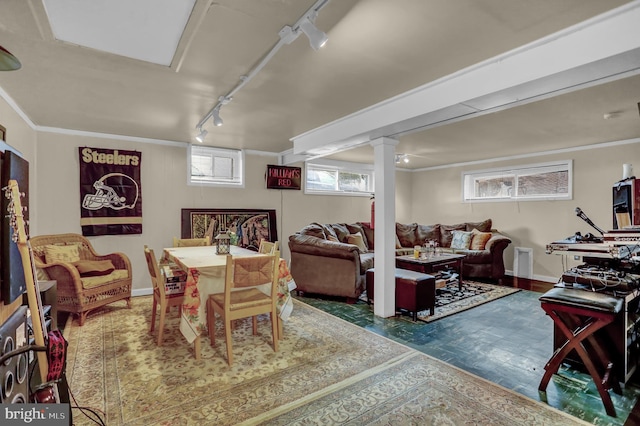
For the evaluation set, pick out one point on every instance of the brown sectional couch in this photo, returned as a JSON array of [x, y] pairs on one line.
[[324, 262]]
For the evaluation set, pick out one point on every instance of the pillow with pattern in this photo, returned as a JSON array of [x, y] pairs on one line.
[[56, 253], [460, 240]]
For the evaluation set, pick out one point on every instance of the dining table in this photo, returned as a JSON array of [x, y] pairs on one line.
[[206, 271]]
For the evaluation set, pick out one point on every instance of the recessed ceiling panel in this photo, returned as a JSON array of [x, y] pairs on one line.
[[148, 30]]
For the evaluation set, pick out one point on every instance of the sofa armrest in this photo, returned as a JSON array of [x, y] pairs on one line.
[[119, 260], [497, 243], [66, 275], [319, 247]]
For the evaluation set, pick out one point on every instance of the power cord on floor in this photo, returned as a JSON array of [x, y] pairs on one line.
[[92, 414]]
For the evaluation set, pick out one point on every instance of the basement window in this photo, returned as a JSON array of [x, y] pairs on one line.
[[546, 181], [339, 178], [216, 166]]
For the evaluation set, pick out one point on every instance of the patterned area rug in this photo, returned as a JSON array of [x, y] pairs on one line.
[[327, 371], [450, 300]]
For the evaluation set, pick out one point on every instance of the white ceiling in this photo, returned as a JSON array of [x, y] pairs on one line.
[[377, 50]]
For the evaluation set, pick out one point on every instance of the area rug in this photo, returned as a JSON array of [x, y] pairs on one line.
[[327, 371], [450, 300]]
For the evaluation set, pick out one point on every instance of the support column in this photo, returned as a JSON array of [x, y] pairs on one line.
[[385, 226]]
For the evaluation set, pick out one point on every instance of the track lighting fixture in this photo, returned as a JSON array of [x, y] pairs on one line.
[[217, 121], [402, 158], [8, 62], [203, 134], [317, 38], [306, 25]]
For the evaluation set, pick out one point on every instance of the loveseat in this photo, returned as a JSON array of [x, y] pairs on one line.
[[332, 259]]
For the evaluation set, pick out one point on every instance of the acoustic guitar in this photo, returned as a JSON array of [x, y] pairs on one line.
[[19, 236]]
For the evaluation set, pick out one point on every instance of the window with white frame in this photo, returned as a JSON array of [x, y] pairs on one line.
[[338, 178], [546, 181], [216, 166]]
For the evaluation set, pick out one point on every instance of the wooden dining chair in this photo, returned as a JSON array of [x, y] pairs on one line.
[[191, 242], [241, 298], [165, 301], [267, 247]]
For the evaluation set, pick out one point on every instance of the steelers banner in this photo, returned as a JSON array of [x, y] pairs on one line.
[[110, 192]]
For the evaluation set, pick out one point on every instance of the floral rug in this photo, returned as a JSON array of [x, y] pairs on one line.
[[327, 371], [450, 300]]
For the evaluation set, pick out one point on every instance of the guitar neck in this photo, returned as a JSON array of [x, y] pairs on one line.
[[33, 293]]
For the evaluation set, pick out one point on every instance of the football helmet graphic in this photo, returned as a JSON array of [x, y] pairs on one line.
[[116, 191]]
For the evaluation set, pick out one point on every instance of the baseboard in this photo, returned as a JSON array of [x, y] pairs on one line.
[[543, 278], [142, 292]]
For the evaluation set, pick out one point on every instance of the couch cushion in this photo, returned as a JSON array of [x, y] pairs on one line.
[[94, 268], [484, 226], [357, 240], [341, 231], [314, 230], [426, 233], [368, 234], [479, 239], [58, 253], [354, 228], [407, 234], [328, 230], [93, 282], [446, 233]]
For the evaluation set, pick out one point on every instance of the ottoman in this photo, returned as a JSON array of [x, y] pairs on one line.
[[415, 291]]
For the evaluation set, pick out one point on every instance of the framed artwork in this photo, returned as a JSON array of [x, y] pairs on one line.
[[245, 226], [3, 133]]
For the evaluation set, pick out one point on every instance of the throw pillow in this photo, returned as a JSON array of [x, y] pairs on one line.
[[479, 239], [332, 238], [56, 253], [357, 240], [398, 245], [355, 228], [94, 268], [460, 240]]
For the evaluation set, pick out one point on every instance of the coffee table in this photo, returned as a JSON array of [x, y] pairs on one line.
[[433, 264]]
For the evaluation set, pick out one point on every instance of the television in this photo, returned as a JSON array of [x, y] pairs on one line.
[[12, 282]]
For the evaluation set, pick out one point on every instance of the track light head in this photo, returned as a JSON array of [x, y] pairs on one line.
[[217, 121], [201, 135], [402, 158], [317, 38]]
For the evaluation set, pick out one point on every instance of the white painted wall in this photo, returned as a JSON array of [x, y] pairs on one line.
[[437, 198], [423, 197]]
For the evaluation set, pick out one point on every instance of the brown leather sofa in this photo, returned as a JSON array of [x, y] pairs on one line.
[[324, 262]]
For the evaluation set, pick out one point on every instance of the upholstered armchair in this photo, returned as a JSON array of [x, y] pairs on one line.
[[85, 280]]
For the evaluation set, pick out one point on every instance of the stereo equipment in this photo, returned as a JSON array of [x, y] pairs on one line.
[[626, 203], [14, 372], [602, 278]]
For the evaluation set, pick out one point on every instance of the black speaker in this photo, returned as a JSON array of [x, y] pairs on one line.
[[14, 372], [626, 203]]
